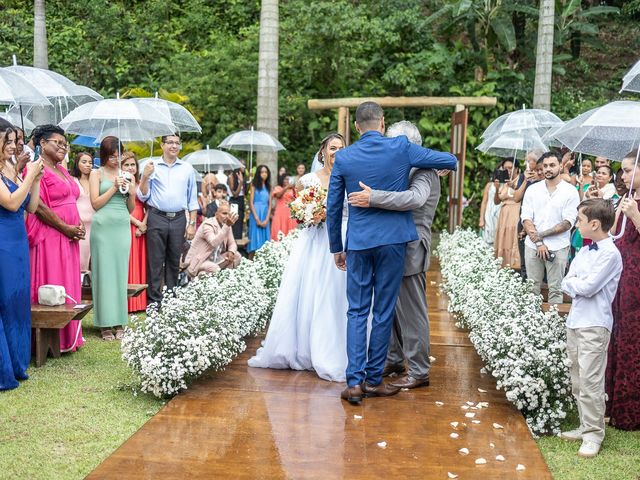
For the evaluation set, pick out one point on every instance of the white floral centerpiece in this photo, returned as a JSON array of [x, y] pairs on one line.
[[523, 347], [202, 325]]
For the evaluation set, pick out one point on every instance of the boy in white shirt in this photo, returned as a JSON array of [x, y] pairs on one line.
[[592, 282]]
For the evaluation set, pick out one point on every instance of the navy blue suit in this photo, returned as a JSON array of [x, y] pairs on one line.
[[376, 241]]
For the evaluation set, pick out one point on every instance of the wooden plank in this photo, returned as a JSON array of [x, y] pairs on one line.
[[133, 290], [334, 103], [44, 316], [563, 308]]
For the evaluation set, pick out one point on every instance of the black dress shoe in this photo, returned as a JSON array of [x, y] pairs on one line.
[[353, 395], [382, 390], [410, 382], [391, 368]]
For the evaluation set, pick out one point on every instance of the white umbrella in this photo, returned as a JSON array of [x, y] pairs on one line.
[[514, 144], [63, 94], [526, 119], [631, 81], [14, 118], [123, 118], [176, 113], [610, 131], [251, 141], [210, 159], [15, 91]]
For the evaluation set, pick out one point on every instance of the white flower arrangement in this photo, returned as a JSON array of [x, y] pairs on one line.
[[523, 347], [202, 325]]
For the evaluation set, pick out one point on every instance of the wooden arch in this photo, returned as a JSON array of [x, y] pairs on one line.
[[459, 119]]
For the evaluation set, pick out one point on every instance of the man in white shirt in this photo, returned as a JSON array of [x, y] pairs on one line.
[[549, 210], [592, 282]]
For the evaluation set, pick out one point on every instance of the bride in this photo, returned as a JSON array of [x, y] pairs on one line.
[[309, 322]]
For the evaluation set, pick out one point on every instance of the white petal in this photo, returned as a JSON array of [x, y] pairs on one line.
[[465, 407], [475, 421], [439, 404], [497, 425], [432, 359], [520, 467], [492, 445], [382, 444], [454, 424], [357, 417], [482, 390], [500, 458], [480, 461], [404, 389], [464, 451], [454, 435], [470, 414], [471, 404], [452, 475]]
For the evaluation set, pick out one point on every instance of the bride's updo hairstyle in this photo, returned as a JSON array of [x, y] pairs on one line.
[[325, 142]]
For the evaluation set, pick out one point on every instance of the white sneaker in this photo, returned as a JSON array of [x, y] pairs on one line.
[[588, 449], [572, 435]]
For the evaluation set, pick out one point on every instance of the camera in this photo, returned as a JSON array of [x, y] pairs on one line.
[[233, 208], [124, 189], [502, 176], [551, 257]]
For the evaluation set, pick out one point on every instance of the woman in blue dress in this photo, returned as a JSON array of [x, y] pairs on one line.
[[260, 206], [16, 195]]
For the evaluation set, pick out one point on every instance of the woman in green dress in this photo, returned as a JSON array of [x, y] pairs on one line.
[[110, 240]]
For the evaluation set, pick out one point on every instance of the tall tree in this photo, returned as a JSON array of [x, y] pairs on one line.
[[544, 56], [268, 78], [40, 50]]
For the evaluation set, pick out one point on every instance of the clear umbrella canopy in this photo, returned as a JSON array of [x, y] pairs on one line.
[[549, 138], [129, 121], [251, 141], [176, 113], [610, 131], [63, 94], [631, 81], [211, 160], [14, 118], [15, 91], [525, 119], [513, 144]]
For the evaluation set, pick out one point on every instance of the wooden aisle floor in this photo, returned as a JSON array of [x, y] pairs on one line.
[[248, 423]]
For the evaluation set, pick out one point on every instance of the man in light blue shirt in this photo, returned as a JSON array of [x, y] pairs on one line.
[[169, 188]]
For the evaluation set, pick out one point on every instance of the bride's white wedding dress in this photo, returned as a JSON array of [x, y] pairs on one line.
[[309, 324]]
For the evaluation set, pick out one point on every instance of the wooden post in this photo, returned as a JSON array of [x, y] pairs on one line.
[[456, 179], [343, 114]]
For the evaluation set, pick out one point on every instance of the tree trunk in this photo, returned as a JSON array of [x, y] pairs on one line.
[[40, 51], [544, 56], [268, 79]]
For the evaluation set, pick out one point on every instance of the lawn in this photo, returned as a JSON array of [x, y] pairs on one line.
[[75, 411]]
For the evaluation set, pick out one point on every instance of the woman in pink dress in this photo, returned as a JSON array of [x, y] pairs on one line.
[[138, 253], [82, 167], [55, 230], [281, 221]]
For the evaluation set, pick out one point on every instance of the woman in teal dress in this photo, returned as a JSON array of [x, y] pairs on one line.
[[16, 195], [260, 206], [110, 240]]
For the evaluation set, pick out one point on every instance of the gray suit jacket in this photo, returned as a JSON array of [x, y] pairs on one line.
[[422, 197]]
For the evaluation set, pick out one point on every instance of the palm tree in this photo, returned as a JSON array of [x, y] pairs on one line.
[[268, 78], [544, 56], [40, 52]]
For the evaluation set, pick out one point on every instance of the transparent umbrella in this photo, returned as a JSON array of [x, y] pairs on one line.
[[610, 131], [513, 144], [210, 159], [14, 118], [251, 141], [15, 91], [523, 120], [631, 81], [176, 113], [63, 94]]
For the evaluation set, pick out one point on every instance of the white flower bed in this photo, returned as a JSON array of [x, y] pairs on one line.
[[523, 347], [202, 326]]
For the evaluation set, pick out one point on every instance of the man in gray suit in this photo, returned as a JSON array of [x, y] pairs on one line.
[[410, 335]]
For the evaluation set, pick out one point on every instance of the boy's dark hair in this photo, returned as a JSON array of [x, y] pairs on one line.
[[599, 209], [220, 186]]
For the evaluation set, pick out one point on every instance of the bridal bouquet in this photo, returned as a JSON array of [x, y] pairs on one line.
[[309, 207]]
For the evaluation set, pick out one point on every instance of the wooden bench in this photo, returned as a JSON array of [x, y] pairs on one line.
[[47, 322], [563, 308], [133, 290]]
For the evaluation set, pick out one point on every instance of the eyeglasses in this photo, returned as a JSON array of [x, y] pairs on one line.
[[172, 142], [60, 145]]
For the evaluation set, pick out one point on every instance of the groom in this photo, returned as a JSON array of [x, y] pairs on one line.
[[373, 255]]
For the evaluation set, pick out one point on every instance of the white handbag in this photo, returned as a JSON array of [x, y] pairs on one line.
[[53, 295]]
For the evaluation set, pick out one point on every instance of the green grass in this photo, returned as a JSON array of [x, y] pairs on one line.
[[71, 414], [619, 458], [75, 411]]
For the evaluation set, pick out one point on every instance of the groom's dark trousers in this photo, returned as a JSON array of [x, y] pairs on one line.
[[375, 242], [372, 272]]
